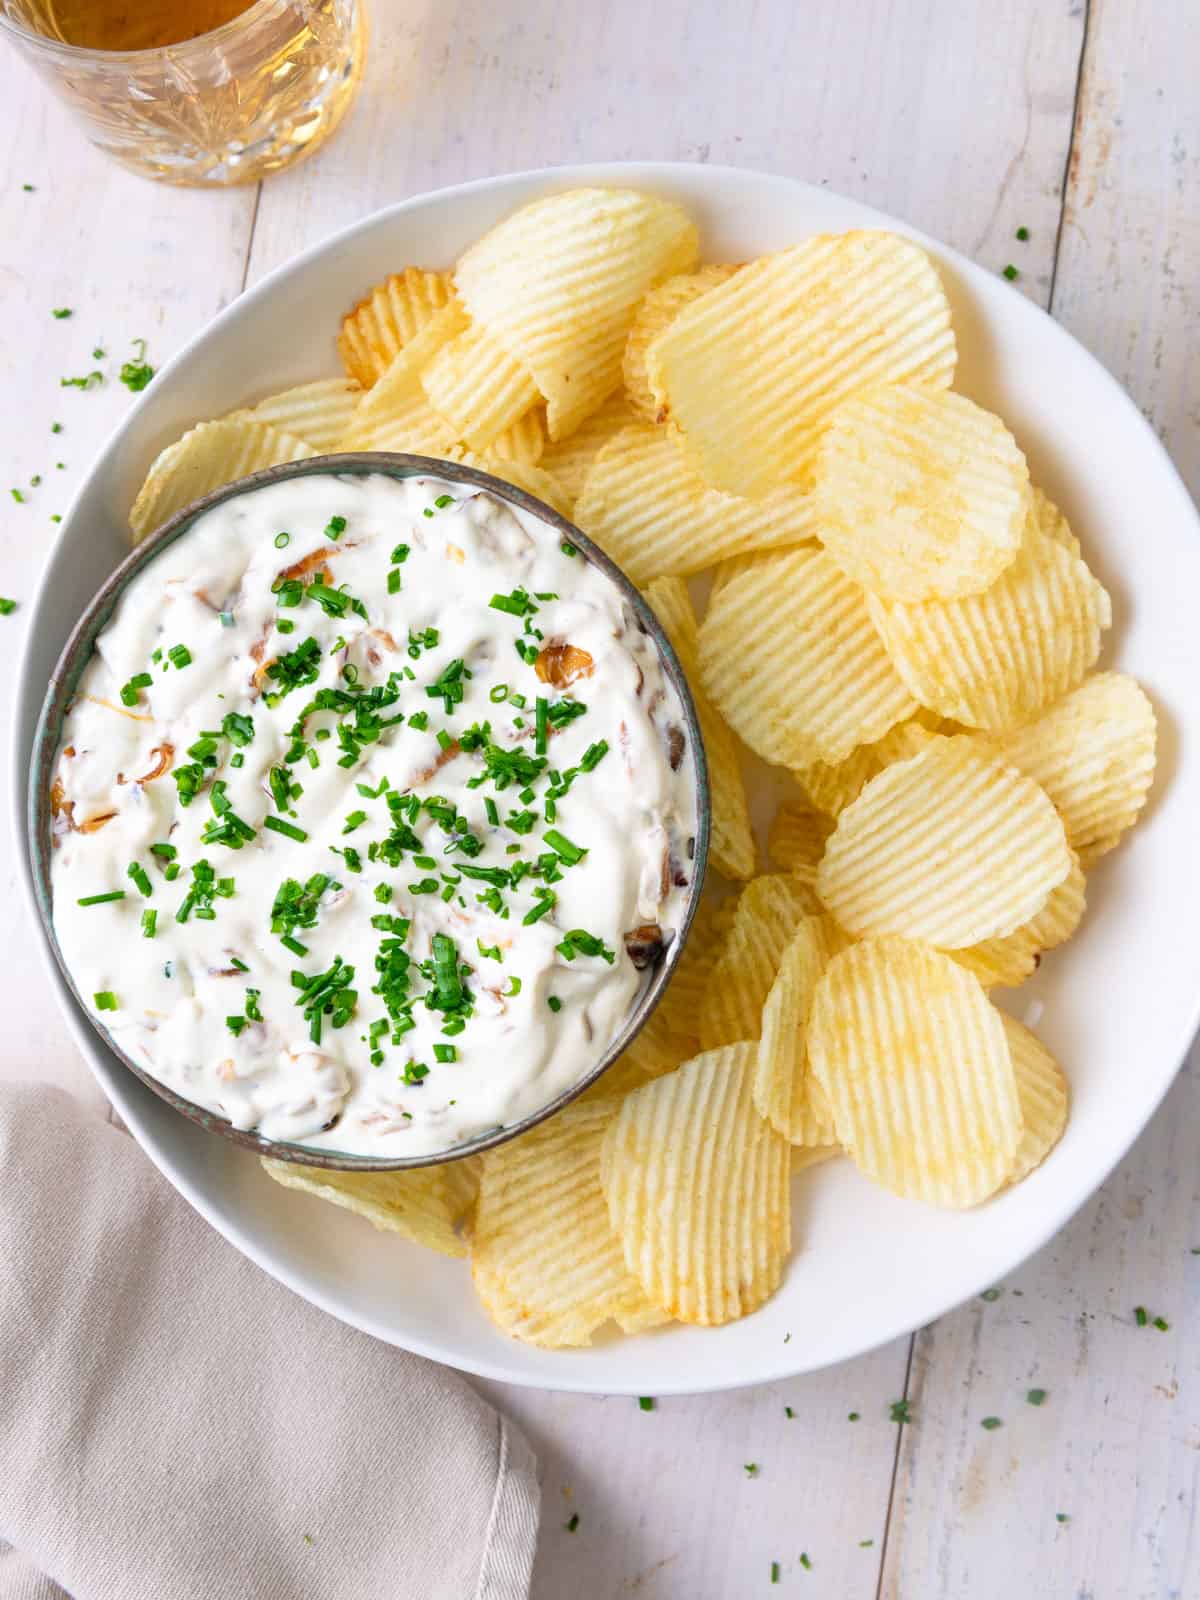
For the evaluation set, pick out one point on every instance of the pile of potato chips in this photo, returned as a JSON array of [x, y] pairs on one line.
[[898, 618]]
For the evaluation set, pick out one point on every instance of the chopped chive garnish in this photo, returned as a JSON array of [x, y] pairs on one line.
[[400, 554], [774, 1572], [140, 876], [101, 899], [750, 1468], [1161, 1324], [568, 852], [568, 549], [149, 922], [1139, 1312], [129, 691], [990, 1294], [645, 1403], [180, 656], [572, 1522], [444, 1053], [788, 1412], [238, 966], [1036, 1397], [554, 1002], [1023, 234], [498, 693], [7, 606], [61, 312], [167, 851], [1011, 273], [278, 825], [900, 1411], [804, 1561], [335, 528], [393, 581], [354, 820], [512, 987], [444, 500], [106, 1000], [991, 1423], [541, 726]]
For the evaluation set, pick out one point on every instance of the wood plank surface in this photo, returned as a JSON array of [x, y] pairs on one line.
[[1115, 1447]]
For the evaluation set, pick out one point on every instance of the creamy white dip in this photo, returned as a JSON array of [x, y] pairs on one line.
[[393, 793]]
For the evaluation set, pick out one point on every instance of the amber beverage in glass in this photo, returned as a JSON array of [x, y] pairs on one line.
[[197, 91]]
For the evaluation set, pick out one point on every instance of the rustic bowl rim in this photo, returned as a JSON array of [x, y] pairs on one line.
[[77, 652]]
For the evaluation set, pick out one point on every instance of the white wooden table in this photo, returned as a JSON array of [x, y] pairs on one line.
[[1077, 121]]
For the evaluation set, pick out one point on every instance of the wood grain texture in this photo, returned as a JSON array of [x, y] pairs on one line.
[[1116, 1446], [956, 115]]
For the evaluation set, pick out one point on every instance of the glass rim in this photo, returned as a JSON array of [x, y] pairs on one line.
[[78, 52]]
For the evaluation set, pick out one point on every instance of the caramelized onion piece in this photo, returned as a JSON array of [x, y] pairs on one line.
[[676, 745], [93, 824], [165, 754], [645, 944], [561, 664]]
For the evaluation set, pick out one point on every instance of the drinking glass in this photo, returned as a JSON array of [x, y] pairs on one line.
[[228, 106]]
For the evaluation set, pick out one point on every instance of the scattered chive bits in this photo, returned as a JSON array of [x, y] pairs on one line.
[[7, 606], [856, 1416], [990, 1295], [1139, 1312], [991, 1423], [804, 1561], [61, 313], [1010, 272], [106, 1000], [788, 1412], [750, 1468], [1023, 235], [101, 899], [572, 1522], [1061, 1516], [900, 1411], [774, 1572], [1036, 1397], [136, 374], [645, 1403]]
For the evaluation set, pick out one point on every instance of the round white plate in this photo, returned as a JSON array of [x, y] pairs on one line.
[[1118, 1005]]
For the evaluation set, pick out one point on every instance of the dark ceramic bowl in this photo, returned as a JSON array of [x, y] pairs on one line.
[[77, 653]]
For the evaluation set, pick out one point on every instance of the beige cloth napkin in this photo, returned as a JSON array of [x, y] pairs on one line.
[[174, 1425]]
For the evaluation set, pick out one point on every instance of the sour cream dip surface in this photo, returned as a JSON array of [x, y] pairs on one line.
[[372, 806]]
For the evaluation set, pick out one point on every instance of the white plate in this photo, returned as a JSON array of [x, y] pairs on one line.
[[1118, 1006]]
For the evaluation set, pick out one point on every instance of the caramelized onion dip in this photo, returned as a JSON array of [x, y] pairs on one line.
[[371, 808]]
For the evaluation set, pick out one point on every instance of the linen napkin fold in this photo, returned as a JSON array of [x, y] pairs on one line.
[[174, 1425]]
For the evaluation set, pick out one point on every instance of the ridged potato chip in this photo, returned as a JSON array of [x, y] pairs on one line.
[[790, 659], [698, 1190], [731, 843], [423, 1206], [679, 1008], [379, 327], [319, 413], [558, 282], [768, 911], [806, 1156], [796, 839], [995, 659], [208, 456], [656, 313], [571, 458], [1009, 961], [395, 413], [545, 1260], [785, 1091], [478, 387], [644, 502], [831, 788], [524, 442], [751, 372], [1094, 754], [915, 1065], [920, 494], [951, 846], [534, 480], [1050, 521], [1042, 1091]]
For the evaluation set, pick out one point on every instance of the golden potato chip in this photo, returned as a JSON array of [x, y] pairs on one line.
[[768, 911], [1009, 961], [1042, 1091], [679, 1009], [319, 413], [395, 413], [570, 458], [920, 494], [791, 661], [379, 327], [785, 1091], [832, 787], [478, 387], [951, 846], [207, 457], [643, 501], [545, 1260], [423, 1205], [657, 311], [558, 282], [1094, 754], [993, 660], [1051, 522], [915, 1065], [796, 840], [731, 843], [806, 1156], [751, 372], [698, 1190], [524, 442]]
